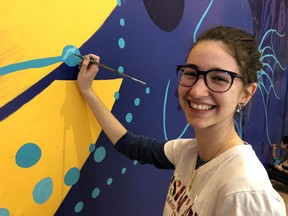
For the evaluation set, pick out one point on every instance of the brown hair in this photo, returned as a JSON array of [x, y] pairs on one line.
[[242, 46]]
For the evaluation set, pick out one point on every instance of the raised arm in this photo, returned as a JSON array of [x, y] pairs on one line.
[[110, 125]]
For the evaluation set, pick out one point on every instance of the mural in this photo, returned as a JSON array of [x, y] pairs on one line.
[[54, 159]]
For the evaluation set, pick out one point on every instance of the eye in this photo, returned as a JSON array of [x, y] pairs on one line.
[[189, 73], [219, 77]]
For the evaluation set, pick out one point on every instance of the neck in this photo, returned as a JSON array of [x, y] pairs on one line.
[[216, 142]]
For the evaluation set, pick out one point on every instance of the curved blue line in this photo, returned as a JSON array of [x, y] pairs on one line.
[[164, 115], [269, 60], [37, 63], [164, 110], [266, 117], [268, 32], [201, 20]]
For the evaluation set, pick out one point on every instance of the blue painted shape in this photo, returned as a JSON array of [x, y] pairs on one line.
[[37, 63], [78, 207], [68, 57], [95, 193], [99, 154], [4, 212], [28, 155], [43, 190], [72, 176]]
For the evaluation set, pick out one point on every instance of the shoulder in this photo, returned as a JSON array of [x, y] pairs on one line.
[[174, 149], [239, 166]]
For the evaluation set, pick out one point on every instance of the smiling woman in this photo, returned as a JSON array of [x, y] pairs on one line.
[[214, 168]]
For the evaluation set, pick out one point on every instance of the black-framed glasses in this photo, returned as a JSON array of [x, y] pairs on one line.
[[216, 80]]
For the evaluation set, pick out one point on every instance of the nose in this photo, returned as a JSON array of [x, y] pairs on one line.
[[199, 88]]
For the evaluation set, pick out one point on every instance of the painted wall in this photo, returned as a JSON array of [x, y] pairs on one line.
[[54, 159]]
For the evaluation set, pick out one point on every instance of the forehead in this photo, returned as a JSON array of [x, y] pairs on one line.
[[209, 55]]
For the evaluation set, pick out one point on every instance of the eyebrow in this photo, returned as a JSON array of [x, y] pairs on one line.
[[193, 65], [216, 68]]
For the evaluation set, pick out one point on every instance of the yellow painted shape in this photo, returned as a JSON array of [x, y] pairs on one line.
[[37, 29], [59, 121]]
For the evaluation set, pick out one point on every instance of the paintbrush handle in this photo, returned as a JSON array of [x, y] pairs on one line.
[[115, 71]]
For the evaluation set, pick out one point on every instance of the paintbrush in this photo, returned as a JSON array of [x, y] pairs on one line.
[[110, 69]]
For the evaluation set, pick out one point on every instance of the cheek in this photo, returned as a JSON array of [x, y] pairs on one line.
[[182, 91], [226, 101]]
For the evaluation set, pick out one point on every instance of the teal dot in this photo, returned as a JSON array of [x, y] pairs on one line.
[[135, 162], [122, 22], [95, 193], [4, 212], [109, 181], [28, 155], [121, 69], [78, 207], [129, 117], [123, 171], [137, 101], [116, 95], [72, 176], [43, 190], [147, 90], [92, 147], [119, 3], [68, 57], [99, 154], [121, 43]]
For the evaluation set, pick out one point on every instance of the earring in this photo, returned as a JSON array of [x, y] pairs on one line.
[[239, 107]]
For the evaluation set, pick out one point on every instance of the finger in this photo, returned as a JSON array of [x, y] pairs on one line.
[[85, 62], [92, 66], [94, 57]]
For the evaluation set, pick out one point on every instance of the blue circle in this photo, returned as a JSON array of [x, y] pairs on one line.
[[137, 101], [116, 95], [121, 69], [147, 90], [68, 56], [121, 43], [43, 190], [78, 207], [28, 155], [95, 193], [4, 212], [129, 117], [123, 171], [92, 147], [122, 22], [72, 176], [109, 181], [99, 154]]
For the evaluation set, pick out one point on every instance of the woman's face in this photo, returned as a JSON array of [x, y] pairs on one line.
[[204, 108], [283, 146]]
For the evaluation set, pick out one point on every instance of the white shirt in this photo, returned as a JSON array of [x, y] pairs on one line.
[[233, 183]]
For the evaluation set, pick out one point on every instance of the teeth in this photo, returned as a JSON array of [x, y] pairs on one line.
[[200, 107]]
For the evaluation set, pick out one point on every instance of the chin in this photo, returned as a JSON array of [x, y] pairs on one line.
[[198, 124]]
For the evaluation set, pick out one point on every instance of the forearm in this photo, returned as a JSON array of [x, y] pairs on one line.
[[110, 125], [283, 158]]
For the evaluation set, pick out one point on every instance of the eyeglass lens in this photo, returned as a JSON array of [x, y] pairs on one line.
[[219, 81]]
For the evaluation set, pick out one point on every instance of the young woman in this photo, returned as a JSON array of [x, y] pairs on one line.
[[215, 173]]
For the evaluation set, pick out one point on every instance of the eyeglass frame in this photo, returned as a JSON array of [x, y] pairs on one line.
[[204, 73]]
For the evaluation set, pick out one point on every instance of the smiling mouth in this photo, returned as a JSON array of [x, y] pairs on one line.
[[201, 106]]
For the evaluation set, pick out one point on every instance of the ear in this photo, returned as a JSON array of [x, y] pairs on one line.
[[249, 92]]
